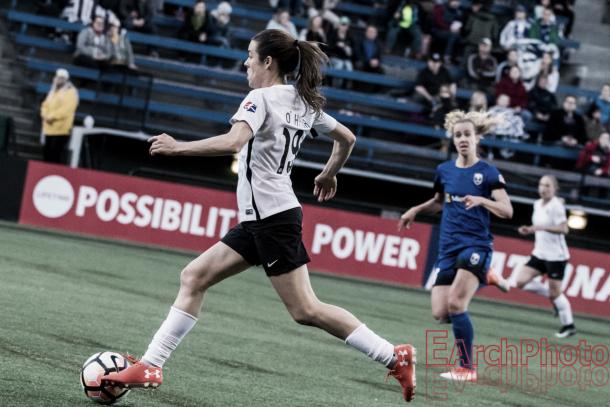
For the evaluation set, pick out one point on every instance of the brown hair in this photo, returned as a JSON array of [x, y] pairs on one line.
[[303, 59]]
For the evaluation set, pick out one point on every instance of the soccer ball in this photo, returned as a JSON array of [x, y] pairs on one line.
[[94, 368]]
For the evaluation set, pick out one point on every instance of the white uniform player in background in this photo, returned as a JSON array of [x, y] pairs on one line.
[[550, 254], [268, 129]]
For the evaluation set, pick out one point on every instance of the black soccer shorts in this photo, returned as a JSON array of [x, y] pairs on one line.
[[555, 269], [275, 242]]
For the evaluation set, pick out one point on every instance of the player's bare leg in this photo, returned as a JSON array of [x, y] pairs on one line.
[[211, 267], [439, 301], [295, 290], [461, 292], [564, 309]]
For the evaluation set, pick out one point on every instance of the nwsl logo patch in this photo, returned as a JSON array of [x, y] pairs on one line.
[[251, 107]]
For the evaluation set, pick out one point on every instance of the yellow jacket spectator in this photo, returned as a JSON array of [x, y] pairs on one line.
[[57, 114]]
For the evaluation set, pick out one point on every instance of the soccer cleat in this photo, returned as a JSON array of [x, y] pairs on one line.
[[404, 370], [462, 374], [565, 331], [495, 279], [136, 375]]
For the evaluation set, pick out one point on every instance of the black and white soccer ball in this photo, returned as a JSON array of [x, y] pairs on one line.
[[97, 366]]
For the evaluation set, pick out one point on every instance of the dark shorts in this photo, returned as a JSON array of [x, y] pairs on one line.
[[554, 269], [275, 242], [474, 259]]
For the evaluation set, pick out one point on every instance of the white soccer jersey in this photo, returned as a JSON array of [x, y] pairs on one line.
[[550, 246], [280, 122]]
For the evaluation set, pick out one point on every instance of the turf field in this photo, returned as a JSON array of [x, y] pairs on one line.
[[63, 298]]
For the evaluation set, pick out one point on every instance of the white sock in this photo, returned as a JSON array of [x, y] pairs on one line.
[[175, 327], [538, 287], [564, 309], [372, 345]]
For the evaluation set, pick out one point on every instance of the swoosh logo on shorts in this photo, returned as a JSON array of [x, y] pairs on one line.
[[272, 263]]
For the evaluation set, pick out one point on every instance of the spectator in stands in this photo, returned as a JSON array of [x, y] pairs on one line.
[[594, 123], [516, 29], [314, 31], [511, 128], [199, 26], [429, 81], [326, 9], [594, 158], [341, 47], [57, 114], [512, 86], [138, 15], [281, 21], [480, 24], [566, 126], [293, 7], [478, 102], [549, 69], [446, 26], [512, 59], [84, 11], [482, 65], [120, 48], [447, 103], [541, 102], [565, 8], [404, 29], [539, 8], [93, 46], [602, 102], [545, 29], [368, 51], [222, 20]]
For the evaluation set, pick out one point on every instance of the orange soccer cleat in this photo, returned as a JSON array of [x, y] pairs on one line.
[[462, 374], [136, 375], [404, 370], [495, 279]]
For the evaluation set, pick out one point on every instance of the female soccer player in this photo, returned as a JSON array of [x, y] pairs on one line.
[[267, 131], [550, 254], [466, 190]]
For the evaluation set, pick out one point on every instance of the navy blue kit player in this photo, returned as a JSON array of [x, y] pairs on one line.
[[466, 190]]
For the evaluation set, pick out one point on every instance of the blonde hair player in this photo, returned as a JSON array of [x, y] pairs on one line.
[[550, 255], [467, 190], [267, 131]]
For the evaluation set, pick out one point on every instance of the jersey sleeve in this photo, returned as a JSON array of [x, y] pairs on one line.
[[438, 183], [324, 123], [559, 213], [252, 111], [495, 179]]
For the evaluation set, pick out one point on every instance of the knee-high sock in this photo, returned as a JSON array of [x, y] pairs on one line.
[[463, 333], [372, 345], [175, 327], [564, 309], [538, 287]]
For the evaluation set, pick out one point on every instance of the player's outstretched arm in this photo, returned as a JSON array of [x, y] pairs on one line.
[[225, 144], [499, 206], [430, 207], [325, 184]]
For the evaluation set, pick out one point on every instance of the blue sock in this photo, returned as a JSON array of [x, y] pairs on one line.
[[464, 334]]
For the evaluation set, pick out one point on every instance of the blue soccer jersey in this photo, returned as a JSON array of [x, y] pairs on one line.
[[461, 228]]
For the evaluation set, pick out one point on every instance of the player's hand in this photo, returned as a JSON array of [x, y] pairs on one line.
[[406, 220], [473, 201], [325, 187], [163, 144], [525, 230]]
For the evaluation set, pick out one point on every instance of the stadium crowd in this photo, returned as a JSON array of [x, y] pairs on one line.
[[509, 54]]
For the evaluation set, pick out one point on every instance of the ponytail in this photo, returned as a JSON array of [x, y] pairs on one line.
[[300, 59]]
